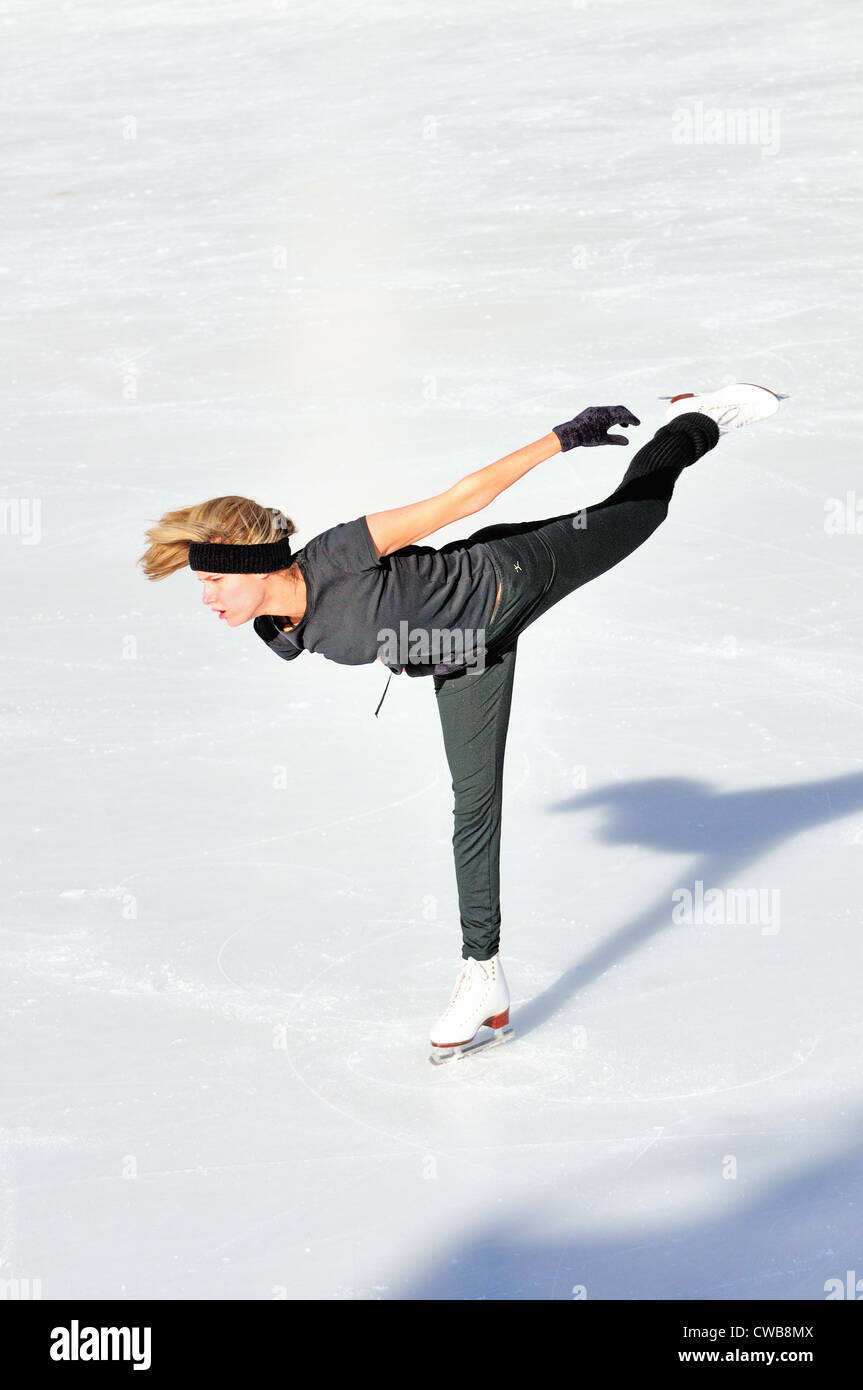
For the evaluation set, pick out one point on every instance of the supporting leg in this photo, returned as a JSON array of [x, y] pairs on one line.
[[474, 711]]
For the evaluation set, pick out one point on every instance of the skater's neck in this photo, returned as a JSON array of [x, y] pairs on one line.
[[286, 594]]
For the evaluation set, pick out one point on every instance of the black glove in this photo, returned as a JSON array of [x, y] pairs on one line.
[[589, 428]]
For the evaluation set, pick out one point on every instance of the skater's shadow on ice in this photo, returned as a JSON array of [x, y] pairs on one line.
[[784, 1234], [728, 831]]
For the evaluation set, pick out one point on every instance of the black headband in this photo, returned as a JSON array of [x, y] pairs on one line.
[[221, 558]]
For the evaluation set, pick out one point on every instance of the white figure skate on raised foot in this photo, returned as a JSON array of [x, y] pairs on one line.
[[480, 999], [731, 407]]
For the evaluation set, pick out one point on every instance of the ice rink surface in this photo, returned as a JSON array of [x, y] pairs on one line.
[[333, 258]]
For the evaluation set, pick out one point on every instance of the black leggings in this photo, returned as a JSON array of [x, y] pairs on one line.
[[538, 563]]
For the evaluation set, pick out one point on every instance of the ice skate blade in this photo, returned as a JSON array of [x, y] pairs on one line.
[[780, 396], [448, 1054]]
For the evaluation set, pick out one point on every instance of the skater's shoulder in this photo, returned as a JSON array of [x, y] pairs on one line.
[[347, 545]]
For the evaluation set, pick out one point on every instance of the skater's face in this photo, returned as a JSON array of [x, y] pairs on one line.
[[234, 598]]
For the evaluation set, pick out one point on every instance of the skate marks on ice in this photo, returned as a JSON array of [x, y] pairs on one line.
[[359, 1044], [192, 861], [359, 1028], [356, 1033], [7, 1211], [729, 830], [21, 1145], [354, 1042]]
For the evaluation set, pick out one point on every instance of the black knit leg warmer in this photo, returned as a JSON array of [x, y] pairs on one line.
[[657, 466]]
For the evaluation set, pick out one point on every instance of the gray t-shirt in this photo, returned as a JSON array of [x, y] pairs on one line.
[[419, 609]]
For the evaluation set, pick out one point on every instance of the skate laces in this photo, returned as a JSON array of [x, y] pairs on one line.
[[471, 973]]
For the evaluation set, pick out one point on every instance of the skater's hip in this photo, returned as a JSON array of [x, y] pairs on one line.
[[525, 567]]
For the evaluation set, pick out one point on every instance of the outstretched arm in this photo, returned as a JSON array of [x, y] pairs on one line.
[[483, 486], [401, 526]]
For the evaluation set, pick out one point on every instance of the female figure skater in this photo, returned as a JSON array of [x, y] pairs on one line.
[[364, 591]]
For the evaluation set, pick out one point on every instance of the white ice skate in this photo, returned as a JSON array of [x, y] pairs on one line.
[[480, 999], [731, 407]]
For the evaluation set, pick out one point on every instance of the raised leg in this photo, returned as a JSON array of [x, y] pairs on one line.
[[543, 561]]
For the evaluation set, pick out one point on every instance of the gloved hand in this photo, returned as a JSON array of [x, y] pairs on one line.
[[589, 428]]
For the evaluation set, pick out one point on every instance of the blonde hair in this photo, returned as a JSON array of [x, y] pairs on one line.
[[235, 520]]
